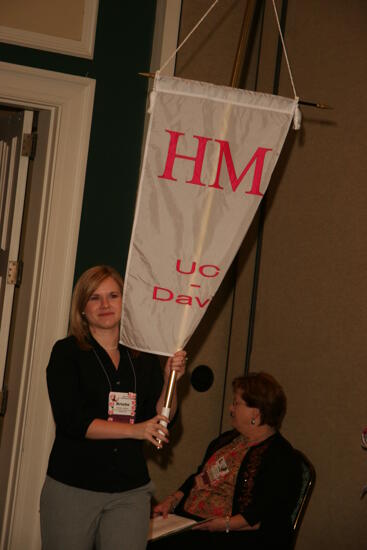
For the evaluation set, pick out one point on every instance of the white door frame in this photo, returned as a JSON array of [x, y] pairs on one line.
[[14, 172], [69, 100]]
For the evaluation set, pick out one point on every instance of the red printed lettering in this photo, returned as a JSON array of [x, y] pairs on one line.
[[258, 157], [185, 300], [257, 160], [166, 295], [202, 304], [205, 270], [158, 294], [178, 268], [172, 155]]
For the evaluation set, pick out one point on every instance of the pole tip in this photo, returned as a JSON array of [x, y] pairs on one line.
[[147, 75]]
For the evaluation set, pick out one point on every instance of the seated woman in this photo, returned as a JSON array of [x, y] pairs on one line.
[[248, 482]]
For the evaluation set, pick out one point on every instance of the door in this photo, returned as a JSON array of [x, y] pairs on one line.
[[64, 106], [15, 128]]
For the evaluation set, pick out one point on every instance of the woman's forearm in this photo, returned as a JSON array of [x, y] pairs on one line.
[[227, 524], [238, 523], [150, 430], [103, 429]]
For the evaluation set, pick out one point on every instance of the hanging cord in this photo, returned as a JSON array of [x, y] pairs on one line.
[[188, 36], [284, 50], [262, 214]]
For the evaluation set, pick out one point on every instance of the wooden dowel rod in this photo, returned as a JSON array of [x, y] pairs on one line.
[[242, 43], [301, 101], [314, 104]]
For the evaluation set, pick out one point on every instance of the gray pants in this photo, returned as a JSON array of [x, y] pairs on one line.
[[76, 519]]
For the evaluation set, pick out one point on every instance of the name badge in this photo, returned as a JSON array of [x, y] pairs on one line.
[[216, 472], [121, 407]]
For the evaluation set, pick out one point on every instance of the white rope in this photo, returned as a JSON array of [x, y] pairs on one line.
[[284, 50], [188, 36], [206, 15]]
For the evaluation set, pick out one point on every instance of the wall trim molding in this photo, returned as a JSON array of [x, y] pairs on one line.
[[39, 41], [166, 31], [69, 102]]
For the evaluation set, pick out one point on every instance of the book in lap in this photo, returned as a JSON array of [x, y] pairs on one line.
[[162, 527]]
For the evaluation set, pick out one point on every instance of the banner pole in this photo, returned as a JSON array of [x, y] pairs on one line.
[[169, 393], [166, 409], [241, 49], [243, 43]]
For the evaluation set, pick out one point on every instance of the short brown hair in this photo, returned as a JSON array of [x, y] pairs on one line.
[[84, 288], [262, 391]]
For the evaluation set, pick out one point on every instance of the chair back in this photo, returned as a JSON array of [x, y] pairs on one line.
[[308, 482]]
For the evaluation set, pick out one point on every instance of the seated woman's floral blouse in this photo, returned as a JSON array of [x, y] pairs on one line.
[[212, 494]]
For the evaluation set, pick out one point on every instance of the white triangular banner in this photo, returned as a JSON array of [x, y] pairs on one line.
[[209, 156]]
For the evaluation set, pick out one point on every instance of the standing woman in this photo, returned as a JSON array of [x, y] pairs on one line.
[[106, 401]]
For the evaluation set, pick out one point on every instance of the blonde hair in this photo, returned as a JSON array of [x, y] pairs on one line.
[[84, 288]]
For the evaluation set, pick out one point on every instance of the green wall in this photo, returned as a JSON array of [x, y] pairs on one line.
[[122, 49]]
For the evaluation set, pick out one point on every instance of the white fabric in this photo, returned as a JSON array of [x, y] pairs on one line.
[[186, 235]]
